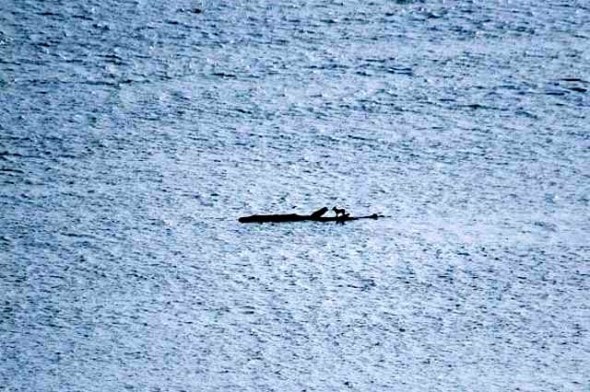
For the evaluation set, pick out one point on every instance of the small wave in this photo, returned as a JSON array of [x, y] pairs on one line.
[[574, 80], [224, 75], [578, 89]]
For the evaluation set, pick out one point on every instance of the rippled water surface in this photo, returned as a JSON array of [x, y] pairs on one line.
[[133, 134]]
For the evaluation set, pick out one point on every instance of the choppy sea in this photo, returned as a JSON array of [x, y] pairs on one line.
[[134, 133]]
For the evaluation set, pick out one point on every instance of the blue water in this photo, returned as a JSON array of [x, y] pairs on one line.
[[133, 134]]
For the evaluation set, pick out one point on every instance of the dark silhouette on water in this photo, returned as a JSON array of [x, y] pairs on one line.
[[339, 211], [320, 212], [315, 216]]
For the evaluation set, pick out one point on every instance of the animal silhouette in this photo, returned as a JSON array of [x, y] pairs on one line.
[[340, 212]]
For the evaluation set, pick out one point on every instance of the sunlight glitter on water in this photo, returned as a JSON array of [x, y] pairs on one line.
[[133, 135]]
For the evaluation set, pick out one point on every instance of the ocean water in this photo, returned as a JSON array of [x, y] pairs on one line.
[[133, 134]]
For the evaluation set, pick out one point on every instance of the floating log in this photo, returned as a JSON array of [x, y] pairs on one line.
[[320, 212], [315, 217]]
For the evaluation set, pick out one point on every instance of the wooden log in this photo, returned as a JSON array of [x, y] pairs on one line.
[[320, 212], [277, 218]]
